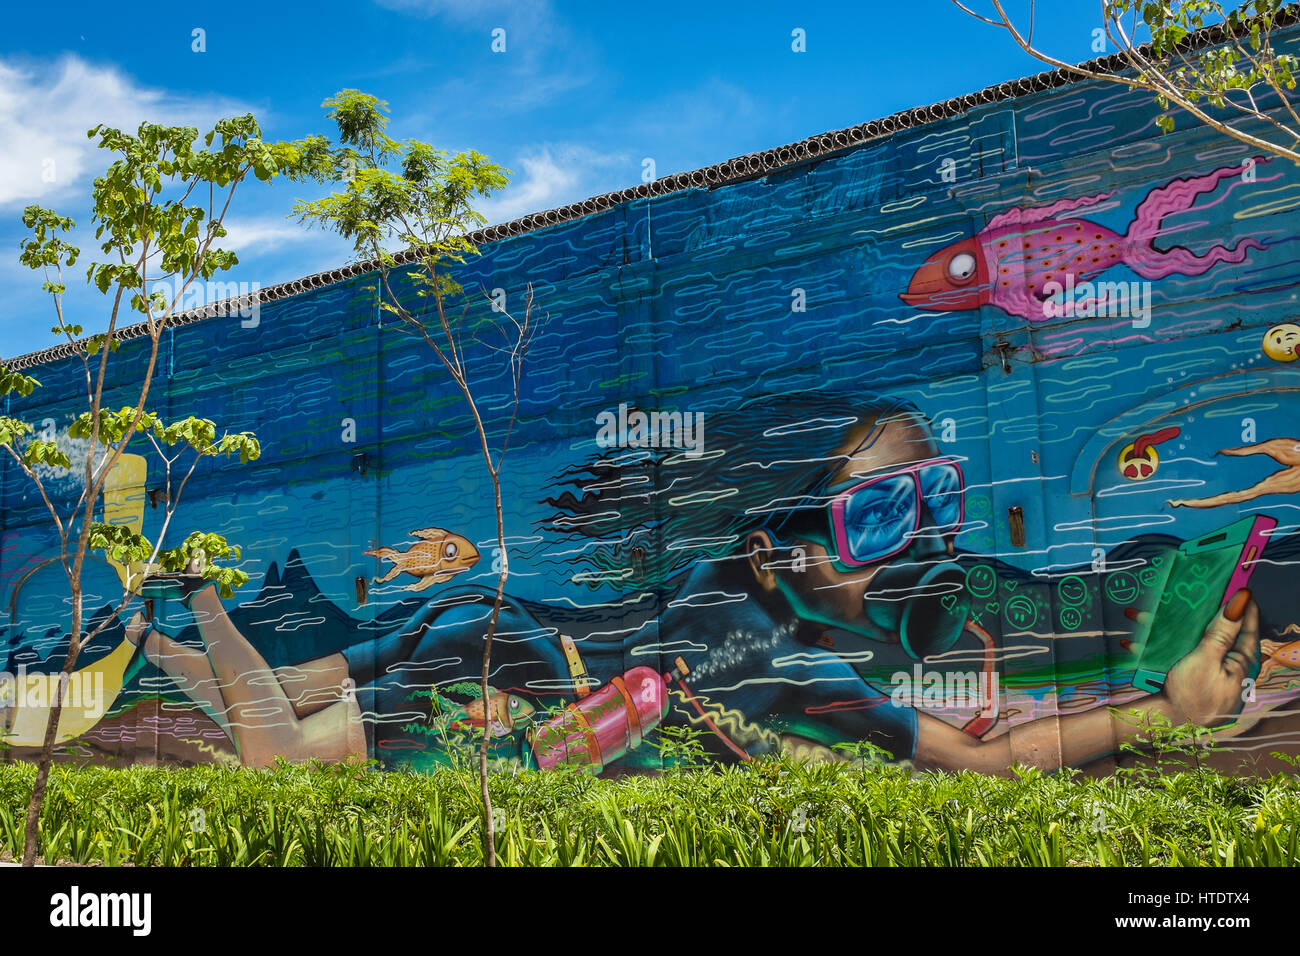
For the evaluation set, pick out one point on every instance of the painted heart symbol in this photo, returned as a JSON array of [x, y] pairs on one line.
[[1010, 585], [949, 601], [1192, 594]]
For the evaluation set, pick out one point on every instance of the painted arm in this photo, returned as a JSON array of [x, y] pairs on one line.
[[1203, 688]]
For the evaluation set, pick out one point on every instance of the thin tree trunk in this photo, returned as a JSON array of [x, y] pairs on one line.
[[490, 837], [31, 832]]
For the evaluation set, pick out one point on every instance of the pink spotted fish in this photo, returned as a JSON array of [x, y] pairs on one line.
[[1024, 257]]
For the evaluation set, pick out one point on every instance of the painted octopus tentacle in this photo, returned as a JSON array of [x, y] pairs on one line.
[[1151, 263], [1179, 261], [1017, 216]]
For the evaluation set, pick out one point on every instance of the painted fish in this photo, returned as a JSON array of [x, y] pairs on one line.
[[508, 713], [1026, 257], [1276, 656], [439, 556]]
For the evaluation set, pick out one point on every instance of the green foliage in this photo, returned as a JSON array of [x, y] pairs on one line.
[[774, 812], [682, 747], [405, 191], [12, 430], [113, 426], [12, 382], [1174, 746], [128, 547], [41, 452], [33, 451], [1244, 66], [119, 542], [130, 212], [158, 214], [45, 247], [198, 435], [863, 751], [158, 211]]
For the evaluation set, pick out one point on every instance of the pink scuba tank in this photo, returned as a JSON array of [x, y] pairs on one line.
[[607, 723]]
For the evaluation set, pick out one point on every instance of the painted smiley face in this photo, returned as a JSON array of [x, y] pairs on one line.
[[981, 581], [1138, 467], [1280, 342], [1122, 587], [1072, 590]]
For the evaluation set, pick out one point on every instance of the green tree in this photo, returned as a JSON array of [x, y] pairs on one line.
[[423, 199], [1220, 65], [158, 212]]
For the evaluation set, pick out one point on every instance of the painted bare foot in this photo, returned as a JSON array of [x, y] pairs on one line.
[[140, 634], [136, 628], [1175, 502]]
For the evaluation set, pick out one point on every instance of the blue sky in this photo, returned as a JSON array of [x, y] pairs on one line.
[[584, 92]]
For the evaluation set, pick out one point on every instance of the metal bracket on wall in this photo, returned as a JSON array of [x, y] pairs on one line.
[[1016, 523], [1011, 349], [1004, 350], [359, 462]]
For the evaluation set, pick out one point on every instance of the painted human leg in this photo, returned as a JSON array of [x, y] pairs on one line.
[[310, 687], [261, 717], [1280, 483], [1284, 451], [189, 668]]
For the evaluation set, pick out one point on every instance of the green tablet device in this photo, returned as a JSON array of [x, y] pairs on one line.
[[1197, 581]]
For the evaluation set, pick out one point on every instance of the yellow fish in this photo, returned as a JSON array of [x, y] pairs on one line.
[[439, 556], [507, 712]]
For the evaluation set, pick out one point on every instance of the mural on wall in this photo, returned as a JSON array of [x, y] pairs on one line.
[[981, 526], [1024, 258]]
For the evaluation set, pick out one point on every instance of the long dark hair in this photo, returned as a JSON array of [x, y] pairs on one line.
[[642, 516]]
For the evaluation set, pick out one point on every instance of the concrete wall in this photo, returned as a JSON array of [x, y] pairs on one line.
[[706, 585]]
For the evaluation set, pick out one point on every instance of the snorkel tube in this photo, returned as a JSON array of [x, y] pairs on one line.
[[921, 605]]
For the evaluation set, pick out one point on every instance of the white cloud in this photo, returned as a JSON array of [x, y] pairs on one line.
[[263, 233], [553, 175], [46, 109], [466, 9], [541, 60]]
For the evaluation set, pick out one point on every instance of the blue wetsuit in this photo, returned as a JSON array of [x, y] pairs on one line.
[[740, 656]]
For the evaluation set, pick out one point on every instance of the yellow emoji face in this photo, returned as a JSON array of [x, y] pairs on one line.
[[1280, 342]]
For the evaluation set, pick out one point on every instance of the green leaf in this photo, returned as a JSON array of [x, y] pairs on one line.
[[11, 430], [119, 543], [42, 452], [12, 382]]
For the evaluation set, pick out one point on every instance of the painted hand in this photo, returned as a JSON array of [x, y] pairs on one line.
[[1206, 686]]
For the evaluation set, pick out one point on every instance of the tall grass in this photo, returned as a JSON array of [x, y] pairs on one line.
[[768, 813]]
